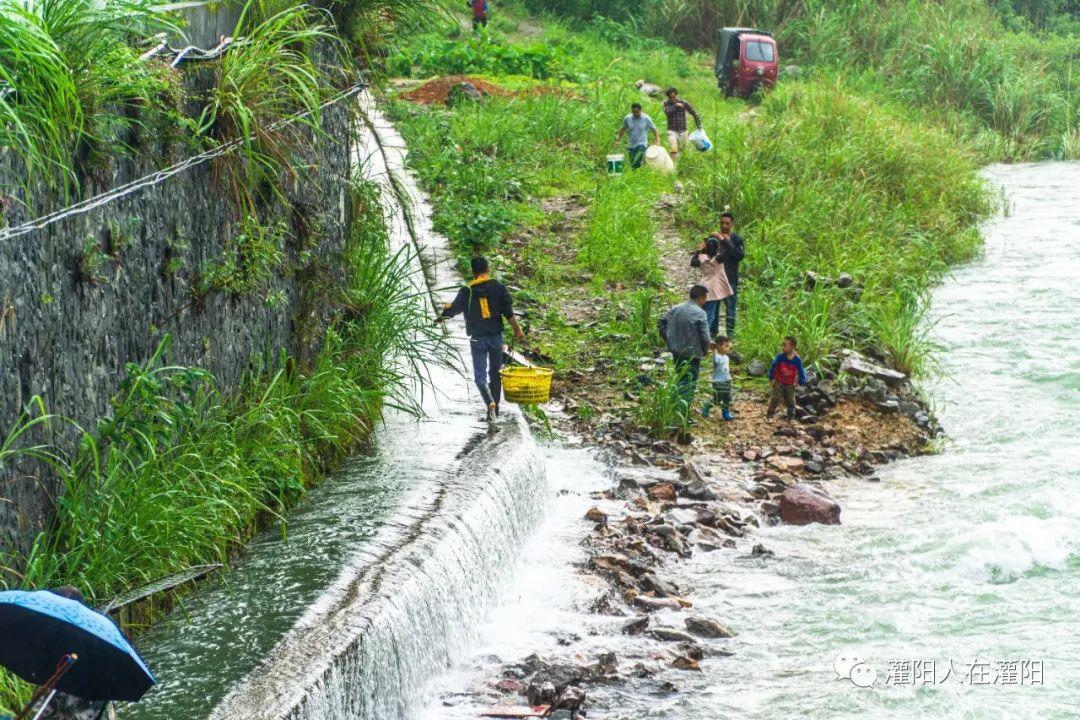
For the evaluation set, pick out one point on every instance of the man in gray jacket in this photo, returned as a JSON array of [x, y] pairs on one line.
[[685, 329]]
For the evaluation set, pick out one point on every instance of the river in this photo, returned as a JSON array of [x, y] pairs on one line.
[[955, 579], [411, 578]]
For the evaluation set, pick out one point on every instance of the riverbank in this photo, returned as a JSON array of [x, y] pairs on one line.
[[851, 210], [962, 563]]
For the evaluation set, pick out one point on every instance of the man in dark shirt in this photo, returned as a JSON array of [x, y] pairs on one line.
[[732, 250], [485, 302], [675, 108]]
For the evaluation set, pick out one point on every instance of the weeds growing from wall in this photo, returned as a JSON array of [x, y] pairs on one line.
[[179, 474]]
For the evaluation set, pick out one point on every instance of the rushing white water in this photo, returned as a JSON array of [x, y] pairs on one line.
[[956, 579], [388, 567]]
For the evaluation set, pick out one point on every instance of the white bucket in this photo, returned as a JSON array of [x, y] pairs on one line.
[[700, 140], [658, 159]]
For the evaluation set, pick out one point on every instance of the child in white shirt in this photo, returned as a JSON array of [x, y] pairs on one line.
[[721, 379]]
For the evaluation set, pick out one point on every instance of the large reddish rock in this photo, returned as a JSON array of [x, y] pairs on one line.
[[800, 505]]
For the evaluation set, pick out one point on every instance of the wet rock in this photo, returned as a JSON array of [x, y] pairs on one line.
[[595, 515], [684, 663], [690, 473], [607, 604], [652, 604], [762, 551], [814, 466], [662, 588], [569, 699], [707, 627], [909, 408], [770, 508], [540, 693], [636, 626], [749, 455], [692, 650], [662, 491], [698, 490], [855, 364], [606, 665], [663, 530], [801, 506], [675, 544], [889, 407], [668, 634], [757, 368], [786, 463]]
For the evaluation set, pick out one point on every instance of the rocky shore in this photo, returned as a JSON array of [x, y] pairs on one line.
[[669, 501]]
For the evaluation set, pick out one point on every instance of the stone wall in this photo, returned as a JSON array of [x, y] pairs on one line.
[[66, 334]]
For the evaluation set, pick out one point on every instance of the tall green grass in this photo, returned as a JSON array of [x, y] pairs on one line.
[[1000, 73], [180, 474], [273, 73], [70, 80], [821, 175], [618, 242]]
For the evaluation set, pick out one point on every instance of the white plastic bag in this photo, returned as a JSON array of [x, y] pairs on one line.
[[700, 140]]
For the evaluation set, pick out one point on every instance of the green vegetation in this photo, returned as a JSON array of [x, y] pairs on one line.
[[1000, 73], [478, 54], [253, 257], [272, 74], [820, 175], [70, 79], [180, 474]]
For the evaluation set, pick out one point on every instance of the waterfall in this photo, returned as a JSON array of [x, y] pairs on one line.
[[405, 602]]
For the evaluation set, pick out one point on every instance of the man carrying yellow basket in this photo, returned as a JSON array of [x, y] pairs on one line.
[[485, 302]]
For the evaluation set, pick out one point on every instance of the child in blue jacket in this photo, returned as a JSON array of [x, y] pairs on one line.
[[786, 372]]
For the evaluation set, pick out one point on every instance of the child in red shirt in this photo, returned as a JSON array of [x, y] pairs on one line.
[[786, 372]]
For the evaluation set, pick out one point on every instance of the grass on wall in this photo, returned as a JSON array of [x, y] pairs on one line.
[[179, 474]]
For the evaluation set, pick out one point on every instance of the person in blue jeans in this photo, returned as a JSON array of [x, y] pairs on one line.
[[486, 303]]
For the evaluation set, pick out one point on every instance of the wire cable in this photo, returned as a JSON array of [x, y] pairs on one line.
[[158, 176]]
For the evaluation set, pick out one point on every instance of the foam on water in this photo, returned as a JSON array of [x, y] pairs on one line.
[[968, 556]]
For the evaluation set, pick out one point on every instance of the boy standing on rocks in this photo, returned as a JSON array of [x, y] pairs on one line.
[[786, 372], [721, 379]]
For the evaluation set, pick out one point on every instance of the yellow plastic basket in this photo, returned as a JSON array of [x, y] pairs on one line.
[[526, 385]]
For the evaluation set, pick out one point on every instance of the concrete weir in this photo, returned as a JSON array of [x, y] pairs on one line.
[[406, 600]]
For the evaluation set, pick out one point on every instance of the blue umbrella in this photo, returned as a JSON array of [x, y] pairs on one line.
[[40, 628]]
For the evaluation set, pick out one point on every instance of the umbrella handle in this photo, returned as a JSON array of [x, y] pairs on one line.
[[45, 705], [65, 664]]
